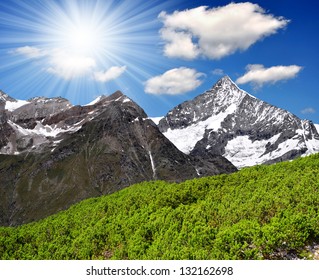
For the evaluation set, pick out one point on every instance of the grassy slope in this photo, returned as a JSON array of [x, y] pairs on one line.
[[256, 213]]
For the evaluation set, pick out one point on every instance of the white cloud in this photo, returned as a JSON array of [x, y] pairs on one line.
[[175, 81], [110, 74], [68, 65], [30, 52], [216, 32], [218, 72], [308, 110], [258, 75], [179, 44], [59, 62]]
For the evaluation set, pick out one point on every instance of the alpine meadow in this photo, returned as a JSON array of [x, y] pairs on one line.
[[260, 212]]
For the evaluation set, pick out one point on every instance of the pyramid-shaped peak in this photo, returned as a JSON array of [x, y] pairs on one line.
[[223, 94], [226, 86], [114, 96], [226, 80]]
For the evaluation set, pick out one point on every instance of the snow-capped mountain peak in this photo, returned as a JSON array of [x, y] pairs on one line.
[[228, 121]]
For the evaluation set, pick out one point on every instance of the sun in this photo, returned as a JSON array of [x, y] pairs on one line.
[[83, 38], [78, 40], [84, 43]]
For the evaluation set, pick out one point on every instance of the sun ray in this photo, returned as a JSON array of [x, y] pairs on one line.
[[63, 43]]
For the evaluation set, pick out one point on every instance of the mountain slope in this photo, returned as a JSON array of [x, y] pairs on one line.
[[261, 212], [64, 154], [247, 131]]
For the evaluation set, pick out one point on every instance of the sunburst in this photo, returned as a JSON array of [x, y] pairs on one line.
[[79, 48]]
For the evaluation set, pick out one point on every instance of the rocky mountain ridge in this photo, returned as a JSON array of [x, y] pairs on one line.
[[228, 121], [53, 154]]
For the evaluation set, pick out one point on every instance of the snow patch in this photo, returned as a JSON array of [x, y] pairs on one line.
[[241, 151], [96, 100], [126, 100], [156, 120], [135, 120], [13, 105], [44, 130], [152, 163], [186, 138], [197, 171], [53, 131]]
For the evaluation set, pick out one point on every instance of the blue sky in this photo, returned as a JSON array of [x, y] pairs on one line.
[[161, 53]]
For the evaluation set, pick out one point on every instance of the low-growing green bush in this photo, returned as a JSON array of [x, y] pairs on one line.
[[262, 212]]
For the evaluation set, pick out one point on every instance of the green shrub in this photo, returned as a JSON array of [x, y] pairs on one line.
[[256, 213]]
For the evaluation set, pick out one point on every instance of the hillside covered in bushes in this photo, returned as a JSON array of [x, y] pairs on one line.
[[263, 212]]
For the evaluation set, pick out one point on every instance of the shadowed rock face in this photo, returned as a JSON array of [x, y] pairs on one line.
[[76, 152], [247, 131]]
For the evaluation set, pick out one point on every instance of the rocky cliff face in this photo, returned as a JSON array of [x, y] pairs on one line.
[[54, 154], [227, 121]]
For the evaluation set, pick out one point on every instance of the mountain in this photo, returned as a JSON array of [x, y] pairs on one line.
[[53, 154], [228, 121]]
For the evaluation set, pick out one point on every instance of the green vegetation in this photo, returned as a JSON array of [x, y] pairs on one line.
[[263, 212]]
